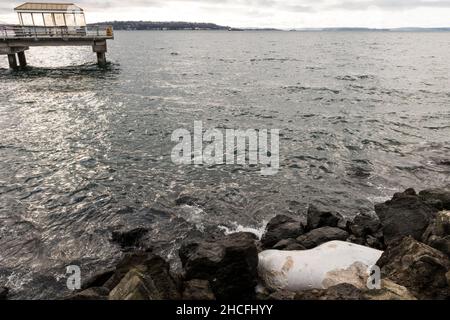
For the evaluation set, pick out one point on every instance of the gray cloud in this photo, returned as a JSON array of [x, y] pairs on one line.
[[390, 4], [244, 11]]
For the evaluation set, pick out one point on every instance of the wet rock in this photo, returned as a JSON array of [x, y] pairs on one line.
[[228, 263], [135, 286], [153, 268], [319, 216], [417, 266], [94, 293], [389, 291], [279, 228], [405, 215], [343, 291], [439, 196], [98, 279], [282, 295], [365, 224], [354, 239], [4, 293], [437, 235], [129, 238], [197, 290], [147, 279], [447, 275], [374, 242], [318, 236], [288, 244]]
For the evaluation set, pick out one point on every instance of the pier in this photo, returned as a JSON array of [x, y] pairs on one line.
[[51, 24]]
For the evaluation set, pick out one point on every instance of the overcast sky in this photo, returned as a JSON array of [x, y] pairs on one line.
[[266, 13]]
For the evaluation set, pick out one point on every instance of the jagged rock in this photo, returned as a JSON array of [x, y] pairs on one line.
[[319, 216], [129, 238], [98, 279], [374, 242], [440, 196], [365, 224], [279, 228], [228, 263], [343, 291], [94, 293], [447, 275], [151, 278], [4, 293], [288, 244], [417, 266], [389, 291], [128, 262], [135, 286], [405, 215], [318, 236], [354, 239], [197, 290], [437, 235], [282, 295]]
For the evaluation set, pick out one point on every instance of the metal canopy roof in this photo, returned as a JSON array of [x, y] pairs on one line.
[[49, 6]]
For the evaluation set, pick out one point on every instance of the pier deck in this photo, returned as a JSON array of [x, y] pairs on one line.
[[17, 39]]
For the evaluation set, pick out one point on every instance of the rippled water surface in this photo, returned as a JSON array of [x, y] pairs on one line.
[[86, 151]]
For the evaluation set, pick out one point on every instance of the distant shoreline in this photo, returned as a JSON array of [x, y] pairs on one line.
[[197, 26]]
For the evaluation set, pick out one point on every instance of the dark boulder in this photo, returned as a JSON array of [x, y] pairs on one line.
[[150, 282], [418, 267], [405, 215], [228, 263], [365, 229], [320, 216], [365, 224], [439, 196], [318, 236], [288, 244], [4, 293], [98, 279], [94, 293], [343, 291], [437, 235], [146, 273], [279, 228], [129, 238], [197, 290]]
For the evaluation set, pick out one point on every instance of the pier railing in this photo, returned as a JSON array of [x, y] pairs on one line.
[[21, 32]]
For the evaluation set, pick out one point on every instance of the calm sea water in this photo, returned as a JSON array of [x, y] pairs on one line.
[[86, 151]]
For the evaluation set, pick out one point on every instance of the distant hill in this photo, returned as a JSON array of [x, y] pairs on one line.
[[172, 25]]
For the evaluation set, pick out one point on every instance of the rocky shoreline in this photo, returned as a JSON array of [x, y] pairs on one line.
[[411, 232]]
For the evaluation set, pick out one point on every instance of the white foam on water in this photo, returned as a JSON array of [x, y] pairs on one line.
[[258, 231]]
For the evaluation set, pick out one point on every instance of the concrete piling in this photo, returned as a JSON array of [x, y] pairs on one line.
[[12, 61], [22, 59], [101, 59]]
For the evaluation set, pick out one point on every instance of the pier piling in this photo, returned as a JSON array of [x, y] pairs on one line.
[[12, 61], [22, 59], [101, 59]]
